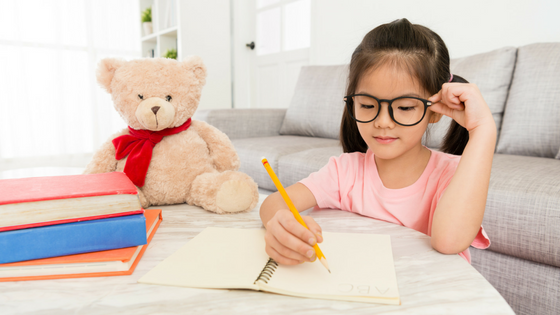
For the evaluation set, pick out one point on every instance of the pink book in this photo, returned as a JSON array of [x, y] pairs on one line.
[[39, 201]]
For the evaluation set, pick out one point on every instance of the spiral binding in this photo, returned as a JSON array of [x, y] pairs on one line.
[[267, 271]]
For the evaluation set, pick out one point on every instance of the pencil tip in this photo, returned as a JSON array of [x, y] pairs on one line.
[[323, 261]]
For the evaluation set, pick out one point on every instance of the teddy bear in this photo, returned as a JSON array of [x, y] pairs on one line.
[[170, 157]]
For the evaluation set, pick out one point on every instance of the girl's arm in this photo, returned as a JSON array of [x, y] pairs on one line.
[[460, 211], [287, 241]]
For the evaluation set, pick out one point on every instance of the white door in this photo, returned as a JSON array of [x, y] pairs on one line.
[[265, 75]]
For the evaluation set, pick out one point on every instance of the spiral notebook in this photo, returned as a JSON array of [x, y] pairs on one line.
[[221, 258]]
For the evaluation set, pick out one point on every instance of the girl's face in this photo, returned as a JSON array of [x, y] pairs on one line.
[[387, 139]]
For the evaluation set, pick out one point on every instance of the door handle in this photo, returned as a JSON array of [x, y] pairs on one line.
[[251, 45]]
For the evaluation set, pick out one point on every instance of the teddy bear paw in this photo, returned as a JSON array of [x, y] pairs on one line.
[[235, 196]]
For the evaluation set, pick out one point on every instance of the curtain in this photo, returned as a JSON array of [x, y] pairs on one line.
[[52, 111]]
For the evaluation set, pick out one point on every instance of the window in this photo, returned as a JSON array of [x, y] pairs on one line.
[[51, 104], [283, 25]]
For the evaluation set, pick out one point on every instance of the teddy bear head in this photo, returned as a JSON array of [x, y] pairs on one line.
[[153, 93]]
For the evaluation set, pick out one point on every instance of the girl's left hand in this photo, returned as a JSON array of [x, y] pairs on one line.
[[464, 103]]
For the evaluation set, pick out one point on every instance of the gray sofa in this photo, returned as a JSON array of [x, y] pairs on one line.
[[522, 218]]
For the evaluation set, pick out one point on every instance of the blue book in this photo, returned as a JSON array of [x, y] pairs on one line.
[[72, 238]]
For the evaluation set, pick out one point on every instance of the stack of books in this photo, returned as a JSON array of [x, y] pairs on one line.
[[72, 226]]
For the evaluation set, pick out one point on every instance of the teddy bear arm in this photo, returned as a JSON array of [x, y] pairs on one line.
[[221, 149], [104, 160]]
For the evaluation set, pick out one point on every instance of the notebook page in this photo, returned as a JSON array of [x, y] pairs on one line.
[[217, 258], [361, 267]]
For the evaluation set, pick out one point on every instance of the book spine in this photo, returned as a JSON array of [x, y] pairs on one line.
[[72, 238]]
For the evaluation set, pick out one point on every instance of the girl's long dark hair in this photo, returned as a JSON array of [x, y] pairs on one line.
[[457, 136], [414, 48]]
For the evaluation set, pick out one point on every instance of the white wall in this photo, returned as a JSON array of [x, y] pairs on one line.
[[468, 27], [205, 32]]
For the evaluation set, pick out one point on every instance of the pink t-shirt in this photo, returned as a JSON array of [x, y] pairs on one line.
[[350, 182]]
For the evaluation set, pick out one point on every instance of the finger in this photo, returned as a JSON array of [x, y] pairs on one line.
[[272, 253], [289, 222], [442, 105], [435, 98], [441, 108], [460, 106], [289, 240], [452, 94], [314, 227], [273, 242], [445, 97]]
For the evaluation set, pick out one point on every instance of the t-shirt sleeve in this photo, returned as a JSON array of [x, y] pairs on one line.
[[324, 184], [481, 241]]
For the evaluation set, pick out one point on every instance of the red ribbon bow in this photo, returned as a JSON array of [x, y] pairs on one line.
[[138, 145]]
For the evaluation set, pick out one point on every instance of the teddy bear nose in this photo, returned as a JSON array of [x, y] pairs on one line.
[[155, 109]]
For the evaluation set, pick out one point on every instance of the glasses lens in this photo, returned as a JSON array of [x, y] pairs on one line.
[[408, 111], [365, 108]]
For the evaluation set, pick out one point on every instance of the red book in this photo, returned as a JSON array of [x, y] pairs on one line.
[[38, 201], [115, 262]]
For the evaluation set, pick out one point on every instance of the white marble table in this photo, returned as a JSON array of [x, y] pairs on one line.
[[429, 282]]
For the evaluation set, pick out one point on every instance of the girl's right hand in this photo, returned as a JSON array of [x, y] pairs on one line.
[[290, 243]]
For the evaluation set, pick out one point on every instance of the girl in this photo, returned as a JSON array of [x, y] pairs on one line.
[[399, 82]]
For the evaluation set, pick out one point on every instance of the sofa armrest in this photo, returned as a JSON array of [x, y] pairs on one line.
[[244, 123]]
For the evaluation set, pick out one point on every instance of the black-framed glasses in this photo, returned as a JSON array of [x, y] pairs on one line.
[[404, 110]]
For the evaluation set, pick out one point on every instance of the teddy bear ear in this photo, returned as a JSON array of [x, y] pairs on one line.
[[195, 64], [106, 71]]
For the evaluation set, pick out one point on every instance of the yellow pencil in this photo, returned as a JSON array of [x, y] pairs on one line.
[[293, 209]]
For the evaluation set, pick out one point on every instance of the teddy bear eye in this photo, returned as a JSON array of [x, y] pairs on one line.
[[140, 96], [168, 98]]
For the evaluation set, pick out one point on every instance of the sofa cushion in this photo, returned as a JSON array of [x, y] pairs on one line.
[[252, 150], [317, 105], [491, 72], [531, 124], [522, 215], [297, 166], [244, 122]]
